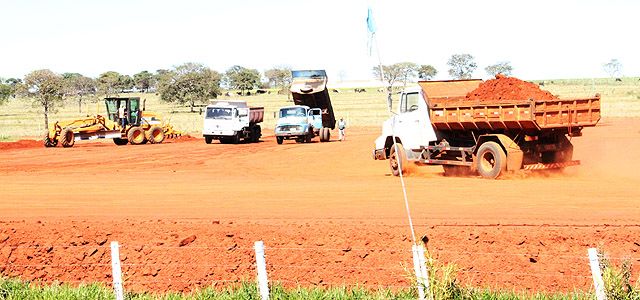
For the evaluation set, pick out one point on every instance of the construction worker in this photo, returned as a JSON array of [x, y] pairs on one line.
[[122, 114], [341, 126]]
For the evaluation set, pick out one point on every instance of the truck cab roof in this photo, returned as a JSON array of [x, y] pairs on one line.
[[230, 103], [293, 106]]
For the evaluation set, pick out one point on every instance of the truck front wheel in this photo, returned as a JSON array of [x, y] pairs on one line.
[[279, 139], [397, 160], [491, 160]]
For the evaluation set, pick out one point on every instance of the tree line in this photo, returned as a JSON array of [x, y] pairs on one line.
[[190, 83], [185, 84], [461, 66]]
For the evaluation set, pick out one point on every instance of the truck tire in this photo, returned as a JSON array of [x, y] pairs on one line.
[[279, 139], [235, 138], [155, 135], [491, 160], [120, 142], [50, 142], [325, 134], [256, 133], [208, 139], [135, 135], [398, 161], [67, 138]]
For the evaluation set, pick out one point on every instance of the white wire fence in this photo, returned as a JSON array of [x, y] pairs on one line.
[[185, 268]]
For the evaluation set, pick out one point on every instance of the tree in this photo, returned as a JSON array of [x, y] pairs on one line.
[[241, 78], [5, 92], [503, 67], [78, 87], [613, 68], [8, 88], [426, 72], [144, 81], [13, 81], [46, 89], [189, 83], [109, 83], [462, 66], [279, 77], [397, 72]]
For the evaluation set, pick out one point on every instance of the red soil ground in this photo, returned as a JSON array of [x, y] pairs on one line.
[[508, 88], [327, 212]]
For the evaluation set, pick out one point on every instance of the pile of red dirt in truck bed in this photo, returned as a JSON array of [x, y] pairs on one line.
[[507, 89]]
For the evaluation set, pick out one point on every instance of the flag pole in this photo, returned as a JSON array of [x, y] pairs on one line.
[[375, 40]]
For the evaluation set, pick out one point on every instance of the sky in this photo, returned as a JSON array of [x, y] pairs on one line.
[[543, 39]]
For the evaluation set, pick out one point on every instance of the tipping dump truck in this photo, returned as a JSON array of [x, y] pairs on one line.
[[136, 127], [312, 115], [437, 125], [231, 121]]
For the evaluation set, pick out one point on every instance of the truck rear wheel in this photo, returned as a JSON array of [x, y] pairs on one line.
[[256, 133], [325, 134], [279, 139], [135, 135], [397, 160], [155, 135], [67, 138], [491, 160], [208, 139]]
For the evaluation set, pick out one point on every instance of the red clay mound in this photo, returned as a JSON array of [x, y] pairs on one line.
[[21, 144], [508, 88]]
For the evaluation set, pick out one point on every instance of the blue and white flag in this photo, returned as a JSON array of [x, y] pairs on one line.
[[371, 27]]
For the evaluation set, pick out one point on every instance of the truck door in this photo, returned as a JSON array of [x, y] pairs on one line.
[[412, 124], [134, 111], [315, 118]]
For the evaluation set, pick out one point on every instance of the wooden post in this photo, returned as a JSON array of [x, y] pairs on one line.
[[598, 283], [261, 265], [116, 271]]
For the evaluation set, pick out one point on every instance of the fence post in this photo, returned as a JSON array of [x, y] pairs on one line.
[[116, 271], [598, 283], [418, 271], [424, 272], [261, 265]]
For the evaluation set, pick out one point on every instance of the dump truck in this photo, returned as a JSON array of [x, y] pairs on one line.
[[312, 115], [136, 128], [436, 125], [231, 121]]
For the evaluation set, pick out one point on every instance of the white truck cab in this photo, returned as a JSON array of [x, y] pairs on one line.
[[231, 121], [410, 126]]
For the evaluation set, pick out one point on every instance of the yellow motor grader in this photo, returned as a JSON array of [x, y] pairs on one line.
[[136, 127]]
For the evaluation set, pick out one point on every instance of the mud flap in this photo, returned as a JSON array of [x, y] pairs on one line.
[[515, 156]]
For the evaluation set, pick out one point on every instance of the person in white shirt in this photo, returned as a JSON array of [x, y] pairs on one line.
[[121, 114], [341, 126]]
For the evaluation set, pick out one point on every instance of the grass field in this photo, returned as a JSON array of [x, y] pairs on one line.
[[20, 119], [11, 289]]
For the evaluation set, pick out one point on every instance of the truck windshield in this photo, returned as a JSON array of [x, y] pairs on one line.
[[309, 74], [219, 113], [292, 112]]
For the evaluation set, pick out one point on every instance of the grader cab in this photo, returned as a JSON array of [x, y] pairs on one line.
[[136, 127]]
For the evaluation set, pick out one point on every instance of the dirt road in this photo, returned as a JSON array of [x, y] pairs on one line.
[[328, 214]]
